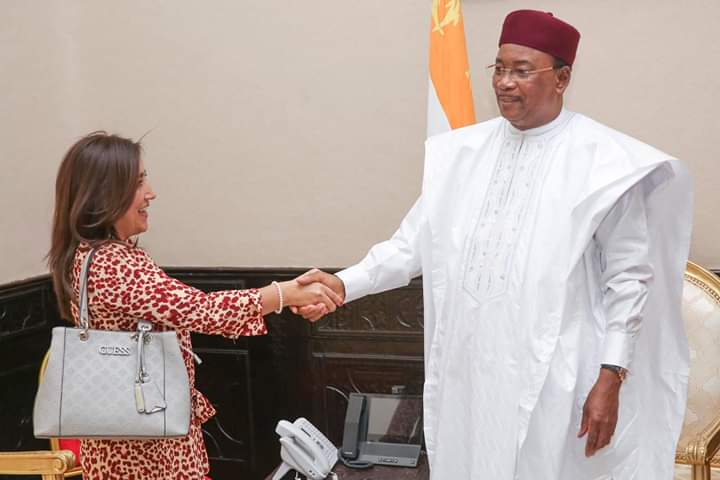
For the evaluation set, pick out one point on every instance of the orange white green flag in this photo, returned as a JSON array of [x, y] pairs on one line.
[[450, 102]]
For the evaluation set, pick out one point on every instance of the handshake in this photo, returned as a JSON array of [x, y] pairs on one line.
[[313, 294]]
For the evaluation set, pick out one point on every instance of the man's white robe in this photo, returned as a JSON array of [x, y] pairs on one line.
[[515, 296]]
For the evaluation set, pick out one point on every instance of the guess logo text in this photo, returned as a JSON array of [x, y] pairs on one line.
[[114, 350]]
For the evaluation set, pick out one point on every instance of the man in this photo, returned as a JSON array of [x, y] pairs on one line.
[[546, 241]]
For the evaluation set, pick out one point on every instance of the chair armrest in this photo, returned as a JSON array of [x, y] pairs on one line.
[[701, 449], [36, 463]]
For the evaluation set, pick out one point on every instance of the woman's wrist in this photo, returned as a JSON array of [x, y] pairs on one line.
[[281, 300], [270, 296], [289, 292]]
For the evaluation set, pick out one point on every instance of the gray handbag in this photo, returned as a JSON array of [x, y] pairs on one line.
[[112, 384]]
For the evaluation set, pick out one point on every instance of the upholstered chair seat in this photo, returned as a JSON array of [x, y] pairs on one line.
[[700, 437]]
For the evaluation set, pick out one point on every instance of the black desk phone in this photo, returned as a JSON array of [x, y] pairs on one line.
[[382, 430]]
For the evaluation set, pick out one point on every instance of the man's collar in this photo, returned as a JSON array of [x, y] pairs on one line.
[[563, 117]]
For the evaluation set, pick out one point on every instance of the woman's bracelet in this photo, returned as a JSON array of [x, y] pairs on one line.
[[280, 297]]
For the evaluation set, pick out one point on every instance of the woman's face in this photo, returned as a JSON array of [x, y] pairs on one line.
[[135, 220]]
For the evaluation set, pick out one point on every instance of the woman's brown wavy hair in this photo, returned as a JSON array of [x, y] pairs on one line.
[[95, 186]]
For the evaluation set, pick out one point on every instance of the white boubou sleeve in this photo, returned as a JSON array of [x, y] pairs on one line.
[[389, 264], [622, 238]]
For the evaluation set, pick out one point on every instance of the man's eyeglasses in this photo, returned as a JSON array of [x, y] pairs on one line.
[[498, 71]]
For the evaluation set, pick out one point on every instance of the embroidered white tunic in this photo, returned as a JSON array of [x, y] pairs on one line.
[[542, 251]]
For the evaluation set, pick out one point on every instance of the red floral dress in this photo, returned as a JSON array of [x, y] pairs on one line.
[[124, 286]]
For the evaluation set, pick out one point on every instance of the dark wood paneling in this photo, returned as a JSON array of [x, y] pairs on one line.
[[298, 369], [27, 313], [373, 345], [394, 314], [224, 376]]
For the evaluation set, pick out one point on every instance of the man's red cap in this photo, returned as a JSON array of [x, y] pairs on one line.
[[541, 31]]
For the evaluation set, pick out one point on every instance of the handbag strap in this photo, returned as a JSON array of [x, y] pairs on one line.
[[83, 303], [146, 398]]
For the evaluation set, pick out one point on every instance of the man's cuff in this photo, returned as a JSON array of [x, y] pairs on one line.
[[357, 282], [618, 349]]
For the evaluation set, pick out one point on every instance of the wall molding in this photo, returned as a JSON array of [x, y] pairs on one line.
[[194, 275]]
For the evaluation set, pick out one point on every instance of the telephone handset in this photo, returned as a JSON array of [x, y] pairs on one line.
[[355, 431], [305, 450]]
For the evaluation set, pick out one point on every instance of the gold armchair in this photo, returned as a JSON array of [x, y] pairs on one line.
[[700, 437], [50, 465]]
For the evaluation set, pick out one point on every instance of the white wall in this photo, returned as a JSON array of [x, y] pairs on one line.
[[290, 133]]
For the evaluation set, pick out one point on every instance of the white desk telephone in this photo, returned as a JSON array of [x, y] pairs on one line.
[[305, 450]]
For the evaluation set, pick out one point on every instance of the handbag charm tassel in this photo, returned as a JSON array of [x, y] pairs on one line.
[[148, 398]]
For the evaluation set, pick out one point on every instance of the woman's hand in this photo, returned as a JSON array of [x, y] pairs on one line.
[[324, 298], [315, 312]]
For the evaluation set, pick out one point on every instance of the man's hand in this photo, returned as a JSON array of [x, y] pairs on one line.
[[317, 311], [600, 412]]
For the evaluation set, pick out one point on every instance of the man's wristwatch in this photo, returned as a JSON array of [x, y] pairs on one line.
[[619, 371]]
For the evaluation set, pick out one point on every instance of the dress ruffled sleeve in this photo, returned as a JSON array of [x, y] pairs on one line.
[[125, 280]]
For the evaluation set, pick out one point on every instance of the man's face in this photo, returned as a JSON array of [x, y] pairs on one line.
[[535, 100]]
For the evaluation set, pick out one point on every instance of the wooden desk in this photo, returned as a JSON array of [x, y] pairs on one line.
[[422, 472]]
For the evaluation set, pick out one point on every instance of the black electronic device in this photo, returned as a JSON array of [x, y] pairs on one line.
[[382, 430], [354, 423]]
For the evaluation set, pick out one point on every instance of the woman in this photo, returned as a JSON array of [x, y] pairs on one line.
[[101, 201]]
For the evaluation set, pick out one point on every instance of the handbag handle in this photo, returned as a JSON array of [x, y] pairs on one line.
[[83, 303]]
